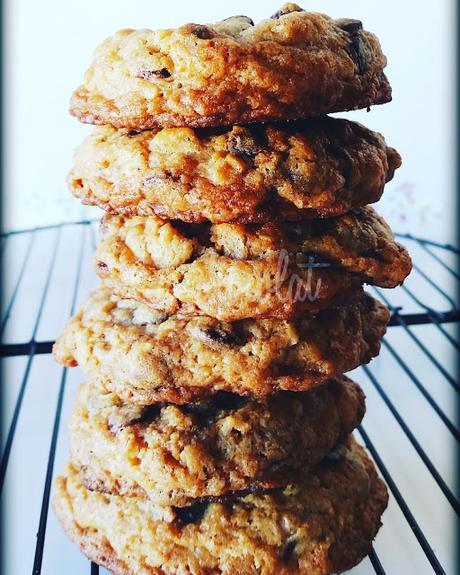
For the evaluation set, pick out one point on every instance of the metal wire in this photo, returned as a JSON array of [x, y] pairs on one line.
[[405, 320], [421, 538], [52, 451]]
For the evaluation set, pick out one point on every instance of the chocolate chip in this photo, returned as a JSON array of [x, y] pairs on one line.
[[240, 17], [221, 337], [226, 401], [245, 144], [349, 25], [357, 52], [345, 160], [167, 175], [332, 458], [208, 410], [286, 9], [289, 550], [191, 514], [202, 32], [129, 415], [148, 413], [230, 496], [102, 266], [356, 45], [151, 75]]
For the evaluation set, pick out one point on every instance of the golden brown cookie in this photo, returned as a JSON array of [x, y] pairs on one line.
[[236, 271], [146, 357], [241, 174], [324, 524], [229, 443], [296, 64]]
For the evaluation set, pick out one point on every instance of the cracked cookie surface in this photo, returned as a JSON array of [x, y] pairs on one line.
[[323, 524], [241, 174], [229, 443], [297, 64], [146, 357], [236, 271]]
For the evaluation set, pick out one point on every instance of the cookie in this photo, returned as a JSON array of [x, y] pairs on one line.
[[229, 443], [236, 271], [295, 65], [323, 524], [146, 357], [249, 174]]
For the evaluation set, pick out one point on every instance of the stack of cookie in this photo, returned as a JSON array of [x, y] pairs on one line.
[[213, 432]]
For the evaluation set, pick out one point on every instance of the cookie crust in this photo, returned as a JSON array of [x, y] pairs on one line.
[[243, 174], [325, 524], [236, 271], [146, 357], [177, 454], [295, 65]]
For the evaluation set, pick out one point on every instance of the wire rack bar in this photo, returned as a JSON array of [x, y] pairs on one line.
[[432, 316], [52, 451], [18, 283], [401, 320], [13, 426], [426, 394], [447, 335], [440, 261], [14, 350], [415, 444], [434, 285], [444, 246], [38, 557], [430, 554], [378, 568]]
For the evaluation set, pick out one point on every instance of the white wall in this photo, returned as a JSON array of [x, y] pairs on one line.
[[49, 45]]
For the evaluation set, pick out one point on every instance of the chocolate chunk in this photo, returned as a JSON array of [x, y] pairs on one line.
[[209, 410], [240, 17], [129, 415], [346, 161], [349, 25], [289, 551], [221, 337], [148, 413], [246, 144], [357, 52], [160, 178], [333, 458], [191, 514], [102, 266], [286, 9], [231, 496], [150, 75], [356, 46], [226, 401], [202, 32]]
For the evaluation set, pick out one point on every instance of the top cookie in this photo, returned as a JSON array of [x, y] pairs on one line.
[[296, 64]]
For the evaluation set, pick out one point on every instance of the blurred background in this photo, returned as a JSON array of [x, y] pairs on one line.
[[412, 387], [49, 44]]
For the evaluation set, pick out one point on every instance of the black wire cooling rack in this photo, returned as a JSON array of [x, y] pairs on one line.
[[410, 427]]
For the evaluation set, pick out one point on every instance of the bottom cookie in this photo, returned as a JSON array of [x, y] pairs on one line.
[[324, 524]]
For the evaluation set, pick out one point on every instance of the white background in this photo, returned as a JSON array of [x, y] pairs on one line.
[[49, 45]]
